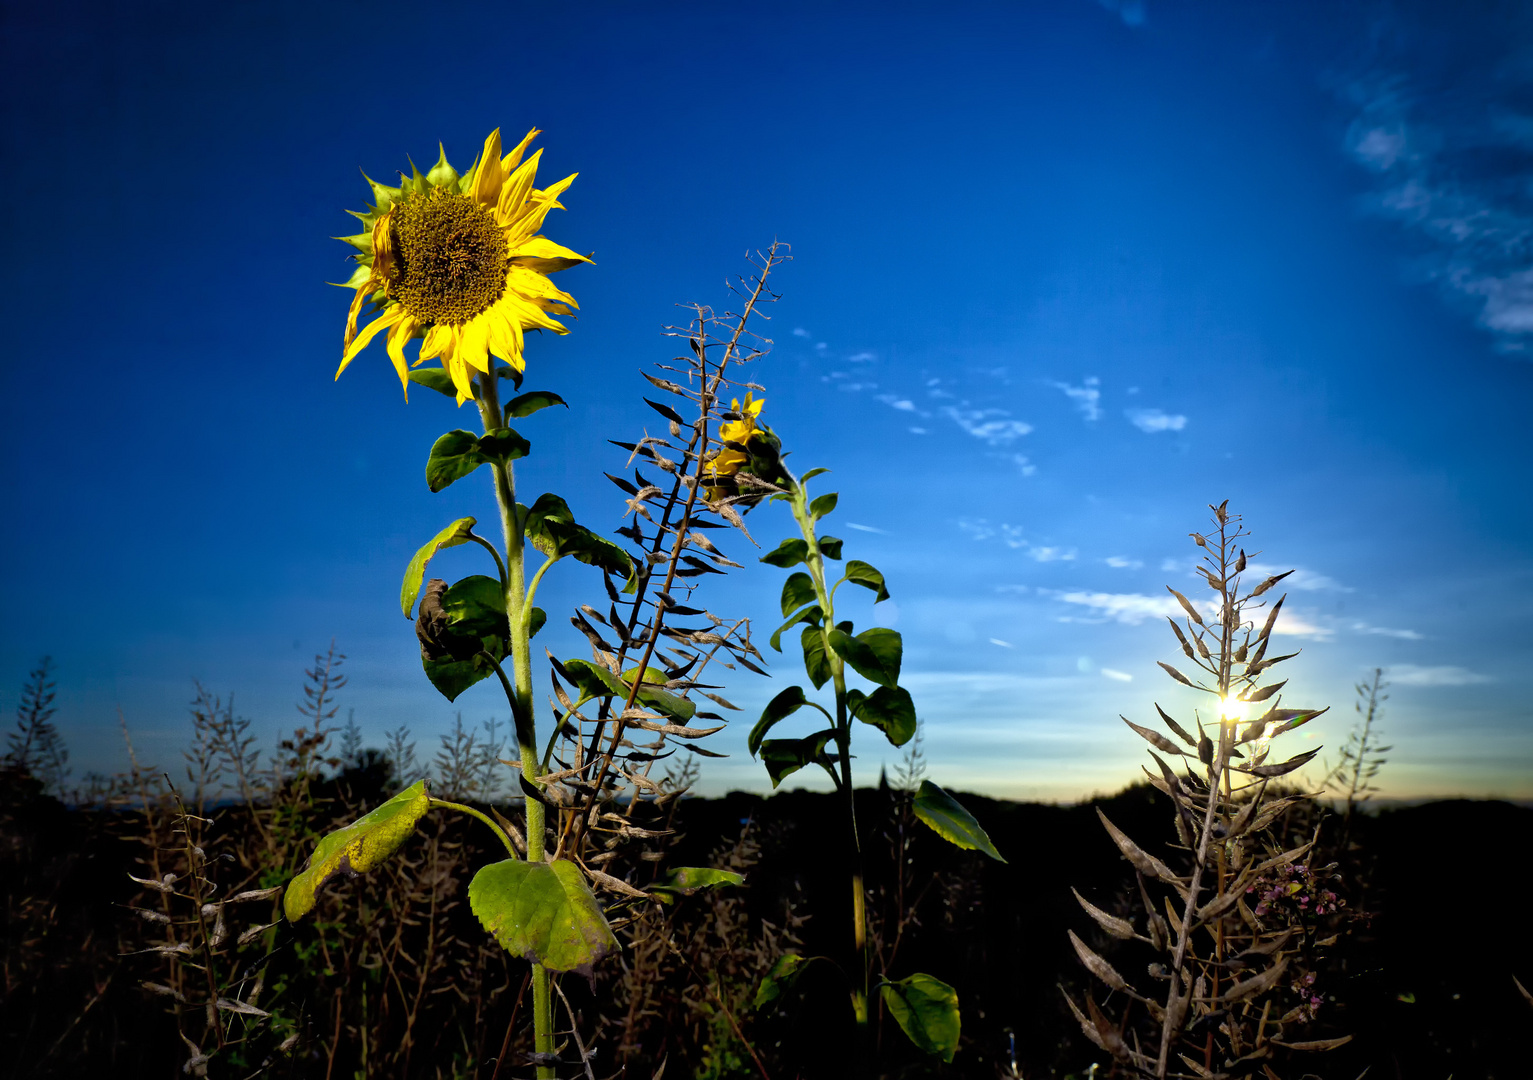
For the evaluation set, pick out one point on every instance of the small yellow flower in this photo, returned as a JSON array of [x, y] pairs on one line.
[[727, 461], [457, 261]]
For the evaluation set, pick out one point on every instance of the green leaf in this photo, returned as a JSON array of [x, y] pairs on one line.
[[783, 975], [550, 527], [435, 378], [779, 708], [926, 1009], [453, 457], [456, 533], [786, 554], [874, 654], [509, 373], [542, 912], [357, 848], [596, 681], [542, 525], [503, 445], [888, 708], [475, 612], [861, 573], [822, 506], [810, 614], [830, 547], [816, 662], [686, 880], [949, 820], [530, 402], [535, 623], [797, 591], [784, 757], [811, 474]]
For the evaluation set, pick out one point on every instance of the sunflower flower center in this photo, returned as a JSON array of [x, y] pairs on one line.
[[451, 257]]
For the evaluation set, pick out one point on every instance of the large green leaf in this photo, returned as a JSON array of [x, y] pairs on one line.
[[797, 591], [456, 533], [810, 614], [926, 1009], [686, 880], [542, 522], [434, 378], [888, 708], [830, 547], [786, 554], [783, 705], [474, 620], [868, 576], [822, 505], [874, 654], [530, 402], [357, 848], [949, 820], [453, 457], [542, 912], [781, 978], [816, 662], [784, 757]]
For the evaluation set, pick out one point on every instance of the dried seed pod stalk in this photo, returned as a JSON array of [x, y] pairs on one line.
[[1235, 919]]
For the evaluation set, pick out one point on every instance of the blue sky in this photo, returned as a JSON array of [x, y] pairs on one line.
[[1064, 273]]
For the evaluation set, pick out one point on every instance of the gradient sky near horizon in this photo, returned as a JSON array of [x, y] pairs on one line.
[[1064, 272]]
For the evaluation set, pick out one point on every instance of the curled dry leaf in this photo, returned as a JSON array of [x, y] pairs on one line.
[[1118, 928], [1096, 965]]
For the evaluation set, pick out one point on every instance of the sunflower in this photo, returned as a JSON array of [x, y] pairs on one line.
[[740, 431], [457, 261]]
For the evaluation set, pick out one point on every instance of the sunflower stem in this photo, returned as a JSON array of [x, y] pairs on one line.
[[521, 696], [814, 560]]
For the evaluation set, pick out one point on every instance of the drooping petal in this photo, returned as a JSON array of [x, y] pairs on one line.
[[461, 379], [403, 331], [389, 318], [439, 342], [474, 342], [506, 337]]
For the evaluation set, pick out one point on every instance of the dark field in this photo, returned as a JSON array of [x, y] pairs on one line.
[[1436, 899]]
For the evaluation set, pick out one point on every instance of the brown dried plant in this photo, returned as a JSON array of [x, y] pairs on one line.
[[1237, 920]]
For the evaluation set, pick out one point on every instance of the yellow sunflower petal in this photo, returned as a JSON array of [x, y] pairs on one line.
[[514, 158], [546, 257], [518, 190], [356, 310], [489, 177], [461, 379], [474, 342], [389, 318], [439, 342], [403, 331], [528, 315], [530, 219], [506, 339]]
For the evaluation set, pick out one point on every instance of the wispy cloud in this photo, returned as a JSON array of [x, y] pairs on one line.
[[902, 404], [1442, 675], [1451, 167], [1087, 397], [1385, 631], [1129, 608], [1117, 676], [1307, 580], [1132, 12], [993, 426], [1023, 464], [1153, 421], [865, 528], [799, 331], [1002, 644], [1051, 554], [1119, 562]]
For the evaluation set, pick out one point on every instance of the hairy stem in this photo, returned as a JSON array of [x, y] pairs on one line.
[[520, 699]]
